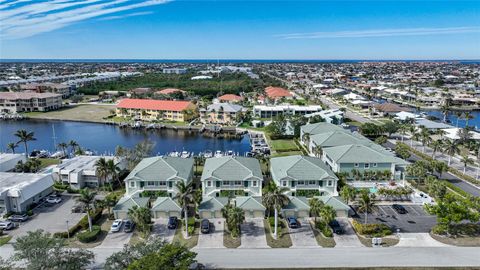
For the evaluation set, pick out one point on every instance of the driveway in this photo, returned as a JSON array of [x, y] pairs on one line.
[[50, 218], [160, 228], [418, 240], [349, 238], [214, 239], [116, 240], [415, 221], [303, 237], [253, 234]]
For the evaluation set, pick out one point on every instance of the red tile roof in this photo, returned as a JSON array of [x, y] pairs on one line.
[[230, 97], [277, 92], [168, 91], [151, 104]]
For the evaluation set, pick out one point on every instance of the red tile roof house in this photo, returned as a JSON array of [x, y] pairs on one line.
[[230, 98], [156, 110], [275, 93], [169, 91]]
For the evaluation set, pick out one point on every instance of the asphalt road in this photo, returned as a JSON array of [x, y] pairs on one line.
[[447, 176]]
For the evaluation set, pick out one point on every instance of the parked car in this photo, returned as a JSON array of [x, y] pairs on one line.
[[129, 226], [6, 225], [336, 227], [78, 208], [53, 199], [196, 266], [172, 223], [19, 218], [116, 225], [293, 222], [399, 209], [205, 226]]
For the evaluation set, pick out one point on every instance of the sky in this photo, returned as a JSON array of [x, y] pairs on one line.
[[179, 29]]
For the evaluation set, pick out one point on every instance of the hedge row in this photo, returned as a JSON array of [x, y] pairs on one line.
[[372, 230], [324, 228], [89, 236], [81, 225]]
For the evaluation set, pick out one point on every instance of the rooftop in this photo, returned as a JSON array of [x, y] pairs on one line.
[[24, 185], [26, 95], [150, 104]]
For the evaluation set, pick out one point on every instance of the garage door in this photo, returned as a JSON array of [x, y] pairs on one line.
[[259, 214], [206, 214], [248, 214], [161, 214], [174, 214], [289, 213], [342, 213], [303, 214], [121, 215], [218, 214]]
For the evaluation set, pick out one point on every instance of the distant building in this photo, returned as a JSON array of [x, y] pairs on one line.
[[386, 109], [18, 191], [156, 110], [14, 102], [263, 111], [169, 91], [174, 70], [275, 93], [221, 113], [9, 160], [201, 77], [56, 88], [230, 98], [138, 92], [80, 171]]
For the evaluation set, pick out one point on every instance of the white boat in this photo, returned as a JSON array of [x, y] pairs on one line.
[[208, 154], [150, 126], [58, 154], [174, 154], [229, 153], [218, 153], [185, 154]]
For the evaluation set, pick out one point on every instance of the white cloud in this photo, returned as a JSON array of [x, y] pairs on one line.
[[33, 19], [108, 18], [382, 33]]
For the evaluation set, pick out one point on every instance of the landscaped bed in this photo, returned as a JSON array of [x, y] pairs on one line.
[[283, 240], [366, 232], [229, 241], [322, 240], [193, 237], [463, 235]]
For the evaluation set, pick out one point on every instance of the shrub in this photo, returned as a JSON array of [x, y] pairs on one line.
[[324, 228], [271, 221], [30, 212], [89, 236], [373, 230], [59, 186], [191, 225], [81, 225], [72, 190], [309, 193]]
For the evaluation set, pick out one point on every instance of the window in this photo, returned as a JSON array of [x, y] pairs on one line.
[[254, 183], [320, 183], [150, 183], [366, 165], [330, 183], [237, 183], [226, 183], [209, 183], [301, 183], [355, 165], [284, 183], [374, 165], [312, 182], [132, 184]]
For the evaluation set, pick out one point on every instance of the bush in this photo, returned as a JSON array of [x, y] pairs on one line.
[[372, 230], [89, 236], [59, 186], [30, 213], [324, 228], [72, 190], [191, 225], [81, 225]]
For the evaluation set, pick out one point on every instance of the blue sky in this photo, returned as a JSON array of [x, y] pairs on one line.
[[157, 29]]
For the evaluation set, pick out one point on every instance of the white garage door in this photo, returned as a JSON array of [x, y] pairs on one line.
[[342, 213], [259, 214], [174, 214], [120, 214], [161, 214], [206, 214]]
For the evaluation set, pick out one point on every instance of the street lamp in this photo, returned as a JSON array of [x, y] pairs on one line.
[[68, 231]]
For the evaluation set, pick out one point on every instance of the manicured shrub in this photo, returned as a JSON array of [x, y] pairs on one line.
[[324, 228], [191, 225], [89, 236], [373, 230], [72, 190]]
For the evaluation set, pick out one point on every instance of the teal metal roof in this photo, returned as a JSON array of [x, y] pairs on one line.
[[162, 168], [165, 204], [232, 168], [336, 202], [250, 203], [337, 138], [357, 153], [126, 203], [300, 168], [297, 203], [318, 128], [213, 204]]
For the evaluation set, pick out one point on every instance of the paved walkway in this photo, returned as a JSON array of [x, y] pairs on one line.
[[349, 238], [253, 234], [214, 239], [418, 240]]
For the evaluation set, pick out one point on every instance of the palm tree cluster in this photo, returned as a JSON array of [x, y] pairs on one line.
[[107, 169], [87, 198], [142, 218], [185, 196], [395, 193], [319, 209], [24, 137], [30, 166], [274, 197], [370, 175], [234, 216]]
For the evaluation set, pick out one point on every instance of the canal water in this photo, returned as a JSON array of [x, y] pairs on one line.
[[103, 139]]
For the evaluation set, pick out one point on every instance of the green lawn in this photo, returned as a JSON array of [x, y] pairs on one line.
[[192, 241], [283, 240], [45, 162], [4, 240], [283, 145], [284, 154]]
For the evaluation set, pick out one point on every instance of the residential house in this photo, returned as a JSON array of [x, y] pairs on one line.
[[120, 210], [8, 161], [277, 93], [271, 111], [15, 102], [222, 113], [156, 110], [387, 109], [230, 98]]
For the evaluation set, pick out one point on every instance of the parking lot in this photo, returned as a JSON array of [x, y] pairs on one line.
[[303, 237], [161, 229], [253, 234], [214, 239], [415, 221], [50, 218]]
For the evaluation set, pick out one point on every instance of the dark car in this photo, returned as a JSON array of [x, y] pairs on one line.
[[336, 227], [399, 209], [129, 226], [78, 208], [205, 226], [19, 218], [293, 222], [172, 223]]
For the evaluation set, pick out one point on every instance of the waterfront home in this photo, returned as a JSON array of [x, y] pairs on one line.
[[271, 111], [317, 128], [120, 210], [388, 109], [156, 110], [8, 161], [211, 207], [333, 116], [251, 206], [231, 176], [15, 102], [303, 176], [230, 98], [19, 191], [165, 207], [81, 171], [57, 88], [222, 114], [159, 175]]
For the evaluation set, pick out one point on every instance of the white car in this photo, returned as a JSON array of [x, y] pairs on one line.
[[52, 199], [116, 225], [6, 225]]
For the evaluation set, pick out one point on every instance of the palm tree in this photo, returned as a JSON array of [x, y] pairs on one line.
[[11, 146], [466, 160], [318, 151], [87, 198], [142, 216], [425, 137], [327, 214], [451, 148], [277, 199], [25, 137], [234, 217], [74, 145], [102, 169], [458, 115], [113, 170], [366, 203], [306, 139], [441, 133], [403, 130], [436, 145], [467, 116], [315, 206], [63, 146], [412, 129], [185, 196], [348, 193]]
